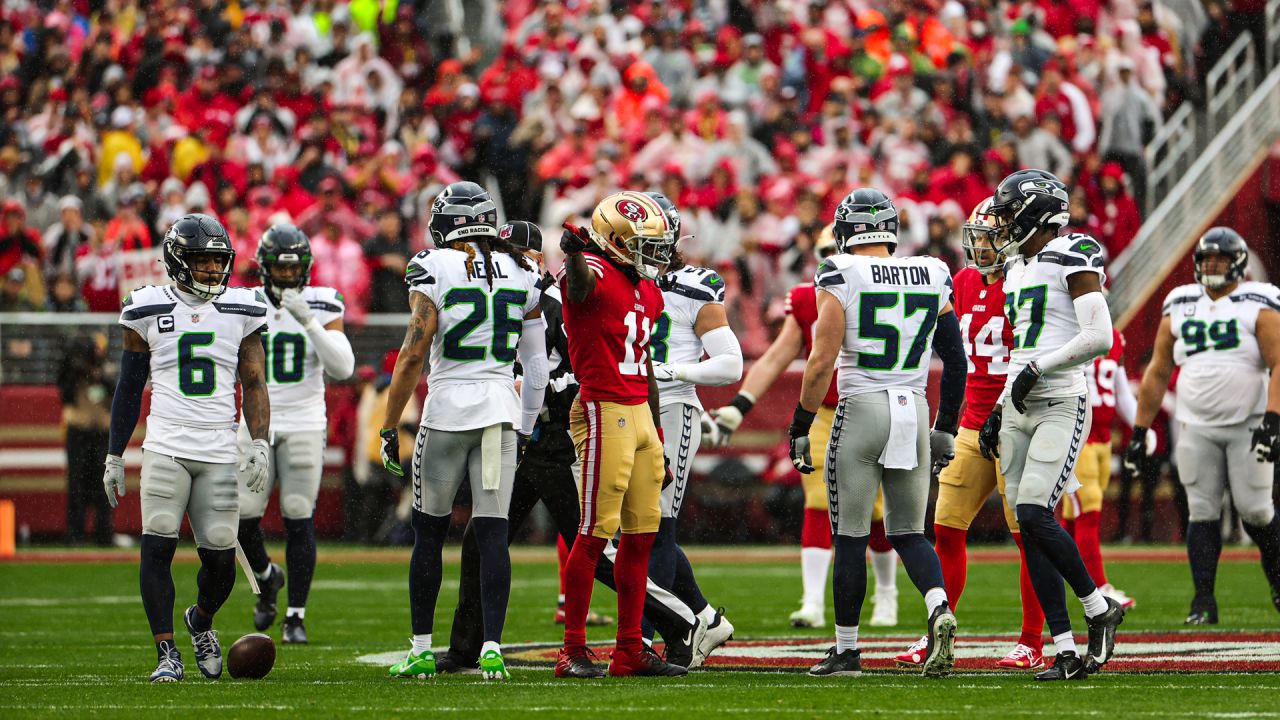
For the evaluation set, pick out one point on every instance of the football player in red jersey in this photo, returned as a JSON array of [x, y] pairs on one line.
[[1109, 393], [966, 483], [815, 534], [611, 305]]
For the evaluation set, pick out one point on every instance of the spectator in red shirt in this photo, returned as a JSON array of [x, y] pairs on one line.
[[640, 82], [19, 244], [1118, 215], [333, 210], [959, 180], [206, 107], [1050, 99]]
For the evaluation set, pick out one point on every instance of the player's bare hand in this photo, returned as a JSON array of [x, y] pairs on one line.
[[113, 479], [390, 451], [297, 306], [989, 435], [253, 466]]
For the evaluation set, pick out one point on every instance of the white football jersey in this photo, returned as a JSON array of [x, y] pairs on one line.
[[471, 380], [891, 308], [1042, 312], [295, 377], [685, 292], [1223, 380], [195, 356]]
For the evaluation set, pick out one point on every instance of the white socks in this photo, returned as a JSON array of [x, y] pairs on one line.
[[708, 615], [846, 638], [885, 567], [490, 645], [262, 576], [560, 600], [815, 564], [296, 612], [421, 643], [1065, 642], [934, 598], [1095, 603]]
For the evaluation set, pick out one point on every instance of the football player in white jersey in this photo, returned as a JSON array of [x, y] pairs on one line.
[[1054, 302], [693, 324], [475, 306], [305, 343], [1224, 334], [195, 337], [879, 314]]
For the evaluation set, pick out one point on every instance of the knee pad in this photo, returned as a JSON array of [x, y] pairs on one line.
[[162, 524], [220, 537], [296, 507], [1258, 518]]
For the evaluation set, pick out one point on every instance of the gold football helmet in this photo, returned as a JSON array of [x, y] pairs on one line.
[[632, 229], [826, 244], [978, 236]]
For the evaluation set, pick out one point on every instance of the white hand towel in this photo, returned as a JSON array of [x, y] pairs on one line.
[[900, 450]]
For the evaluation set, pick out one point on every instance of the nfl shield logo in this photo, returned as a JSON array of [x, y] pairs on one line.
[[195, 318], [622, 422], [902, 400]]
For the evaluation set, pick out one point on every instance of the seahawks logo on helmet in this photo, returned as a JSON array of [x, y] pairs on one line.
[[866, 217], [1026, 202]]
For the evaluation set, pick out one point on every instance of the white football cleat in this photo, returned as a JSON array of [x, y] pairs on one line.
[[809, 616], [719, 631], [1118, 595], [886, 612]]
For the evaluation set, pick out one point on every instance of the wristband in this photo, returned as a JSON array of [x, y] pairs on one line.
[[801, 421], [743, 401]]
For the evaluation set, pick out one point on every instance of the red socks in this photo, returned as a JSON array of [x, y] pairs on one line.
[[1087, 529], [579, 576], [816, 530], [1032, 615], [949, 543], [878, 542], [562, 555], [631, 575]]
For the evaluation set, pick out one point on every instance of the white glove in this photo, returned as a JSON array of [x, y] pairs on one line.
[[710, 431], [727, 418], [297, 306], [665, 372], [113, 479], [253, 467]]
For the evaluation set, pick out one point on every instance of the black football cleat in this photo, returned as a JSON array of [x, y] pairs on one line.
[[1066, 666], [1204, 611], [645, 663], [294, 632], [940, 653], [679, 649], [575, 662], [264, 613], [1102, 636], [452, 663], [847, 664]]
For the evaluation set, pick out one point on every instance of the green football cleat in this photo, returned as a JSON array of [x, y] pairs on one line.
[[493, 667], [416, 666]]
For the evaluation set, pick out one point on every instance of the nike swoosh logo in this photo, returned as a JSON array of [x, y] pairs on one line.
[[1053, 404], [688, 639]]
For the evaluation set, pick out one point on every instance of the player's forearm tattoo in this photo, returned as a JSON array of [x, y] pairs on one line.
[[253, 386], [581, 280]]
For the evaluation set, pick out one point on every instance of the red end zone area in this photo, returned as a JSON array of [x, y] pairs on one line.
[[1190, 652]]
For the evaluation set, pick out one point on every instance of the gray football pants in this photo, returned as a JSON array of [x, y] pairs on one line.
[[1211, 459], [295, 462], [204, 492], [682, 430], [854, 473], [442, 459], [1039, 448]]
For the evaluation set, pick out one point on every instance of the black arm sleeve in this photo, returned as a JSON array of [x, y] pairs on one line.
[[126, 406], [950, 347]]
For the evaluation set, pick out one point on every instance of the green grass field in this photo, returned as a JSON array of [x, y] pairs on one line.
[[74, 643]]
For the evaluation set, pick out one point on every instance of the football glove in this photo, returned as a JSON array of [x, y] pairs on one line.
[[391, 451], [729, 417], [522, 443], [113, 479], [1266, 438], [989, 435], [1023, 384], [942, 449], [1142, 443], [798, 433], [574, 239], [664, 372], [253, 466], [667, 476], [297, 306], [710, 431]]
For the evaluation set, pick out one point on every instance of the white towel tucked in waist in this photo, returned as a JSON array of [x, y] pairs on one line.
[[491, 458], [900, 450]]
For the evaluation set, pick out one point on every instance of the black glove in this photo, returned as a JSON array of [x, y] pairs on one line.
[[1022, 385], [391, 451], [989, 435], [798, 433], [1266, 438], [667, 477], [522, 443], [574, 239], [1135, 451]]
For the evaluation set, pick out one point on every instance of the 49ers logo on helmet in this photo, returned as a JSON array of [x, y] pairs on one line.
[[632, 210], [505, 232]]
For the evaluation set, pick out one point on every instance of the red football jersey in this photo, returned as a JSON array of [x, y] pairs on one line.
[[609, 332], [802, 304], [1101, 376], [988, 340]]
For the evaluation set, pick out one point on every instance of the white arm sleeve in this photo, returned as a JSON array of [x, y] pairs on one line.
[[1094, 339], [532, 352], [723, 365], [334, 350], [1126, 402]]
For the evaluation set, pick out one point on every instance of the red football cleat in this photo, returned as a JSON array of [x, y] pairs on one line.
[[1022, 657], [575, 662], [645, 663], [914, 656]]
